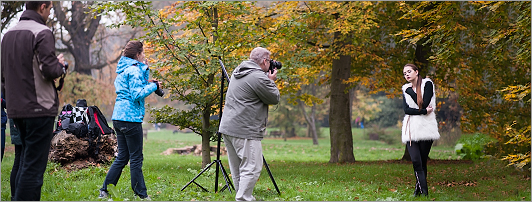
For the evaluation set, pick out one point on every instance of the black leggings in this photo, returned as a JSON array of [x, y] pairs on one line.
[[419, 153]]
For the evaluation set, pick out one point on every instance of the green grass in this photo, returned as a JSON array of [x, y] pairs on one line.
[[301, 172]]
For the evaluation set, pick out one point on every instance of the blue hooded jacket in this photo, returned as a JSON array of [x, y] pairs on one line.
[[132, 87]]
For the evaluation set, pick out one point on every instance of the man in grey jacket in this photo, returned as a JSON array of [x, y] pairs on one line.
[[29, 68], [251, 90]]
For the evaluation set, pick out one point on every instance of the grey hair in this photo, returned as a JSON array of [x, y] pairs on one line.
[[259, 53]]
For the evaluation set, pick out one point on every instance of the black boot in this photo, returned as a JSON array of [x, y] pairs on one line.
[[421, 178], [417, 190]]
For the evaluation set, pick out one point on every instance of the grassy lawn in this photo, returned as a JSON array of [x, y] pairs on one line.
[[301, 171]]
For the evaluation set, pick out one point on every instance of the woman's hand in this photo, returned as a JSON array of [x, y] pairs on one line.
[[429, 109], [158, 83], [146, 62]]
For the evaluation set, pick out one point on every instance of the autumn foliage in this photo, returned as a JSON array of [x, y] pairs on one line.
[[471, 50]]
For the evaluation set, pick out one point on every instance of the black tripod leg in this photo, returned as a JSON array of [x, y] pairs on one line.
[[200, 186], [226, 178], [205, 169], [271, 176]]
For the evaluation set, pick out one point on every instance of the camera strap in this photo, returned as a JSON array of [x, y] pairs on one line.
[[61, 82]]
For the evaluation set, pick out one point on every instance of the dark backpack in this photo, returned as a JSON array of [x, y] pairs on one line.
[[97, 126], [64, 118], [79, 129]]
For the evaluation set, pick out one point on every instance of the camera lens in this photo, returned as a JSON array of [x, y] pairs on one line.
[[275, 64], [159, 92]]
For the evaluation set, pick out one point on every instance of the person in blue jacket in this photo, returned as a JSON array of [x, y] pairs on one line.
[[132, 86]]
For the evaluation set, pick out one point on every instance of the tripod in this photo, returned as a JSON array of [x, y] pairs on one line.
[[219, 165]]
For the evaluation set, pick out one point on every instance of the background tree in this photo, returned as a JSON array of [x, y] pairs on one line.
[[365, 106], [310, 118], [322, 36], [77, 31], [10, 10]]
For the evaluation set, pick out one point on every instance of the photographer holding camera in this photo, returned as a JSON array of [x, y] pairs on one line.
[[132, 86], [251, 90], [28, 70]]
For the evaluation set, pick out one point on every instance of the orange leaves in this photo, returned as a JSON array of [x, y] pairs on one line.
[[467, 183]]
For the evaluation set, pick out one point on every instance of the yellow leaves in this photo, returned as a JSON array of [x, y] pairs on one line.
[[412, 35], [519, 160], [164, 13], [351, 80], [517, 93], [307, 99]]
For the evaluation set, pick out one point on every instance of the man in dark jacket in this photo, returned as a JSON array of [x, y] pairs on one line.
[[251, 90], [4, 123], [29, 68]]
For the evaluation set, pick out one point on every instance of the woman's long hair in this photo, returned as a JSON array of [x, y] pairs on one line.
[[418, 85], [132, 49]]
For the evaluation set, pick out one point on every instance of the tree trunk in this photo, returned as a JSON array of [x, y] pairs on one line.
[[206, 139], [314, 128], [311, 122], [81, 55], [339, 116], [406, 155]]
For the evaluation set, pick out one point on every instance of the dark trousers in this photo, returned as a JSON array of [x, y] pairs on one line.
[[14, 170], [3, 140], [36, 134], [129, 139], [419, 153]]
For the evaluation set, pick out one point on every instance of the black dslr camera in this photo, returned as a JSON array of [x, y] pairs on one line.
[[275, 65], [159, 91]]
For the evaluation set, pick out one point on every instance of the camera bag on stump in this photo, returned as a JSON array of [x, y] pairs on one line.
[[64, 119], [79, 115], [97, 126]]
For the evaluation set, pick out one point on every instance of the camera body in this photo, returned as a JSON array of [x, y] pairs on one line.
[[275, 65], [159, 91]]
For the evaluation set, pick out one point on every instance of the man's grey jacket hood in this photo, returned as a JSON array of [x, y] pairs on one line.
[[249, 93]]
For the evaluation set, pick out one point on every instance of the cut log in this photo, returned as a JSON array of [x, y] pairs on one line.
[[195, 149]]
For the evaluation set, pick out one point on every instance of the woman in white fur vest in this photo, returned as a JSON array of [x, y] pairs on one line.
[[420, 128]]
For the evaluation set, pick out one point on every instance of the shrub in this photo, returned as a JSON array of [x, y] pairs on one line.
[[472, 147], [380, 134]]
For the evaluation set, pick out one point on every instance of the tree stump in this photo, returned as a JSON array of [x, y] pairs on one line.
[[74, 153]]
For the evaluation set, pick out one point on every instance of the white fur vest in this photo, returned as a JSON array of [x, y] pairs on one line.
[[420, 127]]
